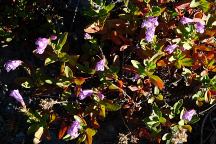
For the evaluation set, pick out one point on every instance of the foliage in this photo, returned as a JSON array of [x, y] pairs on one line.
[[136, 56]]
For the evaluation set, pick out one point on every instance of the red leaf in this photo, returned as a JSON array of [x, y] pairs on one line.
[[62, 131]]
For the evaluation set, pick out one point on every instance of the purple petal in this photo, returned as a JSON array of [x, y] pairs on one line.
[[41, 45], [85, 93], [53, 37], [171, 48], [150, 22], [100, 65], [200, 28], [73, 131], [16, 94], [188, 115], [101, 96], [87, 36], [150, 34], [12, 65], [185, 20]]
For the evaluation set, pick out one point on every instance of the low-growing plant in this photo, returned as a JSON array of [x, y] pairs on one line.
[[152, 60]]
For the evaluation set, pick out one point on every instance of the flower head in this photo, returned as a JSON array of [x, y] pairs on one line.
[[150, 34], [53, 37], [100, 65], [16, 94], [171, 48], [188, 115], [12, 65], [185, 20], [41, 45], [200, 28], [73, 131], [85, 93], [150, 24]]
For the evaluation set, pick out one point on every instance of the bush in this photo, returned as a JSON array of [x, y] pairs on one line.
[[152, 60]]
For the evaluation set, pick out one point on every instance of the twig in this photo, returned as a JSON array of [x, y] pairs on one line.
[[202, 112]]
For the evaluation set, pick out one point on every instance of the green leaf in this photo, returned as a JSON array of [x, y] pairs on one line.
[[109, 7], [71, 59], [157, 111], [187, 46], [162, 120], [62, 41], [204, 4], [166, 136], [156, 11], [135, 63], [68, 72], [194, 120], [109, 105], [186, 62], [49, 60], [177, 106], [194, 4]]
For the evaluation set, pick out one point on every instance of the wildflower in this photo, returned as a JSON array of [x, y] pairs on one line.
[[87, 36], [185, 20], [41, 45], [100, 65], [16, 94], [85, 93], [150, 24], [53, 37], [171, 48], [12, 65], [101, 96], [200, 28], [150, 34], [73, 130], [188, 115]]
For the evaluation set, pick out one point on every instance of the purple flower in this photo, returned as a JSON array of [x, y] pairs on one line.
[[188, 115], [73, 131], [171, 48], [150, 24], [135, 78], [185, 20], [87, 36], [85, 93], [100, 65], [200, 28], [12, 65], [53, 37], [150, 34], [15, 94], [101, 96], [41, 45]]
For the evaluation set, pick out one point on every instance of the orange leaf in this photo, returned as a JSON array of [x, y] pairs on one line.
[[161, 63], [79, 80], [62, 131], [157, 81]]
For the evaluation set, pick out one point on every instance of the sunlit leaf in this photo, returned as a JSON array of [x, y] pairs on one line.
[[157, 81], [38, 134], [90, 133], [110, 106]]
